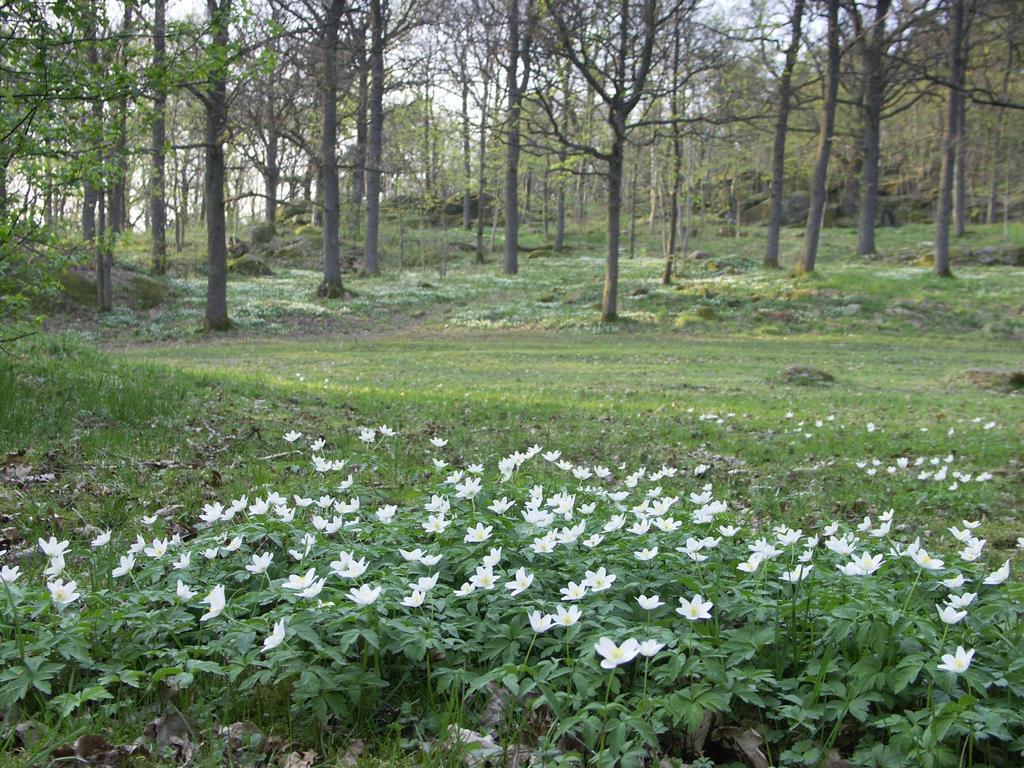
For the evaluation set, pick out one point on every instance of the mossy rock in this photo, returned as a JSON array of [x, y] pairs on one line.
[[296, 211], [547, 298], [805, 375], [540, 253], [249, 265], [989, 378], [309, 231], [704, 312], [134, 289], [261, 233]]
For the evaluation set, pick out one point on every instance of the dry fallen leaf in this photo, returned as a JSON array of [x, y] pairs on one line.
[[172, 730], [745, 742], [352, 754], [300, 759]]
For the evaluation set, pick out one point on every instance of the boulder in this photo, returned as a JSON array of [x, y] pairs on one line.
[[260, 233], [249, 265], [805, 375], [991, 378]]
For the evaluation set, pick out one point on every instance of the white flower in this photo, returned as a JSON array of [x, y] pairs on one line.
[[52, 547], [957, 664], [954, 583], [540, 622], [650, 648], [464, 590], [593, 541], [216, 602], [300, 582], [468, 489], [573, 591], [127, 562], [926, 561], [276, 637], [260, 563], [865, 565], [483, 578], [520, 583], [566, 617], [646, 554], [798, 574], [436, 523], [650, 603], [599, 580], [415, 600], [56, 566], [387, 431], [613, 655], [438, 442], [233, 545], [184, 561], [367, 435], [387, 513], [318, 444], [694, 609], [962, 601], [728, 530], [158, 549], [751, 564], [998, 577], [364, 595], [949, 614], [183, 592], [63, 593], [292, 436], [478, 533], [100, 541], [9, 575]]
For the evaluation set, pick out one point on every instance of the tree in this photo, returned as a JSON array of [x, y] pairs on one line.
[[956, 13], [214, 97], [157, 202], [785, 92], [331, 286], [819, 191], [518, 51], [615, 64]]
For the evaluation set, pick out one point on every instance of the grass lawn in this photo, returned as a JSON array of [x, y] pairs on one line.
[[164, 419]]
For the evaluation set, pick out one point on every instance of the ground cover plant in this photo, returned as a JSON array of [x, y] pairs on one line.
[[614, 614]]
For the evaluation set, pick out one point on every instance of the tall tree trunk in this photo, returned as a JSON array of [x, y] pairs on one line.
[[90, 193], [771, 254], [103, 256], [874, 87], [997, 148], [359, 161], [511, 263], [375, 129], [272, 176], [481, 179], [157, 199], [609, 299], [467, 164], [117, 218], [331, 286], [677, 167], [819, 191], [960, 189], [957, 13], [216, 123]]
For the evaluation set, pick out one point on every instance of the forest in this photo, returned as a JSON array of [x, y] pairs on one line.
[[512, 383]]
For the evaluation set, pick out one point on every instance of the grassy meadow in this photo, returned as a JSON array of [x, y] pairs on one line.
[[106, 419]]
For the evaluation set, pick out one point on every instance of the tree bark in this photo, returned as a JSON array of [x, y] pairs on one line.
[[103, 257], [511, 262], [467, 164], [216, 123], [874, 88], [609, 299], [481, 179], [771, 254], [943, 213], [375, 129], [819, 191], [960, 189], [331, 286], [157, 200], [359, 161]]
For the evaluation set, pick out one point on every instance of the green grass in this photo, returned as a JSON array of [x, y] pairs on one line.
[[497, 363]]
